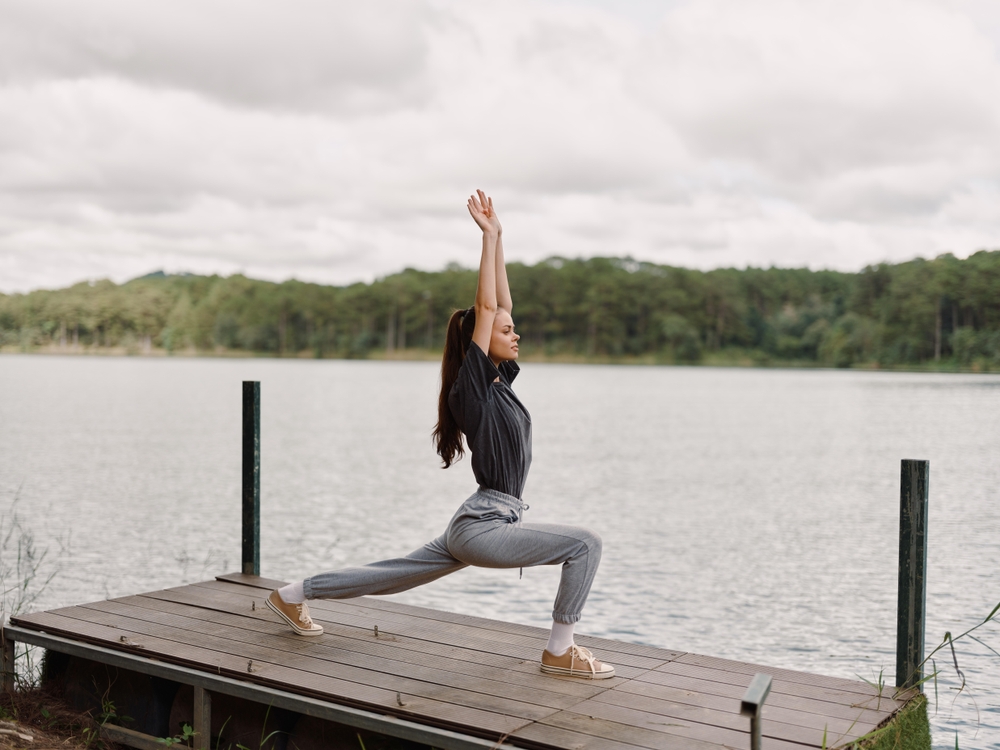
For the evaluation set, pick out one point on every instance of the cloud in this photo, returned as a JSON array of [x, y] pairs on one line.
[[337, 56], [804, 93], [336, 142]]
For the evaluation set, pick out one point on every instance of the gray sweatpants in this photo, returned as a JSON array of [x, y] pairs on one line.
[[485, 531]]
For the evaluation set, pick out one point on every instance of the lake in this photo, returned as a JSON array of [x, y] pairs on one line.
[[750, 514]]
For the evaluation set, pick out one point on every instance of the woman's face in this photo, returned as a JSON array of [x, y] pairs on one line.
[[503, 341]]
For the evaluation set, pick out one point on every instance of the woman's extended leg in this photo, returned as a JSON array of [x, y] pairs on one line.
[[421, 566]]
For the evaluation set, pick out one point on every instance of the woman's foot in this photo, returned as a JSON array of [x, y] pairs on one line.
[[576, 662], [296, 615]]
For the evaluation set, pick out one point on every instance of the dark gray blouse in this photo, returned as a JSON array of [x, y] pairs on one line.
[[496, 424]]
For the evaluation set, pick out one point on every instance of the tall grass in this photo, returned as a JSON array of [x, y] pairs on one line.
[[889, 737], [946, 649], [23, 580]]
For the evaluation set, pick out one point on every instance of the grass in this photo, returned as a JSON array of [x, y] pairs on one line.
[[31, 710], [50, 722], [22, 582], [909, 729]]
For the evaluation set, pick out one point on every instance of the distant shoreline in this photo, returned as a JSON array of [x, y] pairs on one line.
[[941, 315], [724, 358]]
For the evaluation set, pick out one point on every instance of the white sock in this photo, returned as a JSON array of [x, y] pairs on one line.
[[293, 593], [561, 638]]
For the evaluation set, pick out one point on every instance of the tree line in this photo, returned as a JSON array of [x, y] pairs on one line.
[[944, 311]]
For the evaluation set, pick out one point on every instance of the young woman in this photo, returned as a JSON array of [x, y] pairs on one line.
[[477, 400]]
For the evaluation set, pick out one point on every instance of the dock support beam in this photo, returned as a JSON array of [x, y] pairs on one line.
[[7, 658], [251, 477], [753, 705], [202, 719], [911, 607]]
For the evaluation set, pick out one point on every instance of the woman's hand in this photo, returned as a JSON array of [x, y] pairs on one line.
[[481, 209]]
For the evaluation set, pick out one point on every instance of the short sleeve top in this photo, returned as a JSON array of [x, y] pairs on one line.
[[496, 424]]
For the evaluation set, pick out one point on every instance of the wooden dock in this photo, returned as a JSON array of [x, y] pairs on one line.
[[442, 679]]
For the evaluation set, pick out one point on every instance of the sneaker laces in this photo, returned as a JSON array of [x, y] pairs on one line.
[[584, 655], [304, 617]]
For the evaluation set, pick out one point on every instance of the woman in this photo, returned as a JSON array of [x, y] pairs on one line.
[[477, 400]]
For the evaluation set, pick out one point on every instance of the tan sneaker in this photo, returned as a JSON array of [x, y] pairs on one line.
[[576, 662], [296, 615]]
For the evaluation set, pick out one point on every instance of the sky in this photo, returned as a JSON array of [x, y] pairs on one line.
[[336, 142]]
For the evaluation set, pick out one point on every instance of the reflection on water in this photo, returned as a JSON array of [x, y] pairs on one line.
[[748, 514]]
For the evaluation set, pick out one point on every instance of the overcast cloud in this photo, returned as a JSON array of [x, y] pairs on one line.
[[335, 142]]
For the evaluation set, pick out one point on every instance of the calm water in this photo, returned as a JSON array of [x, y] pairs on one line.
[[748, 514]]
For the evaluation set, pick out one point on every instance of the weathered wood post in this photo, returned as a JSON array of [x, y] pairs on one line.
[[752, 705], [7, 662], [251, 477], [911, 608], [202, 719]]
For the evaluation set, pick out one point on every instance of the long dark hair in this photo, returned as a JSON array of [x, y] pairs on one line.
[[447, 434]]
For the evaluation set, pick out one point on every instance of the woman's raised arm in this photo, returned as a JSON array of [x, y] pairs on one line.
[[480, 207], [504, 301]]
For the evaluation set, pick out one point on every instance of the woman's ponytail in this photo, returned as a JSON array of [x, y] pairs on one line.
[[447, 434]]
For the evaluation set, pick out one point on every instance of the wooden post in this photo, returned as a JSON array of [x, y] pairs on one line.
[[251, 477], [7, 657], [202, 719], [911, 608], [752, 705]]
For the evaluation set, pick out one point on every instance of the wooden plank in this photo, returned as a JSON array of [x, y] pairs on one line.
[[667, 725], [347, 614], [656, 680], [428, 653], [631, 709], [779, 686], [787, 675], [801, 711], [424, 732], [533, 637], [603, 736], [468, 640], [680, 711], [302, 656], [467, 719], [296, 681], [851, 706], [627, 654], [745, 668], [464, 674], [481, 623], [130, 738], [658, 736], [308, 656], [470, 674], [323, 611], [259, 582], [780, 723]]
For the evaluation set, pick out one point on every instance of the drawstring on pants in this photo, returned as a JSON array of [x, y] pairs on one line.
[[524, 507]]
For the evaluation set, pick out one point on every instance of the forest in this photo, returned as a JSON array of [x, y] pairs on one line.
[[942, 313]]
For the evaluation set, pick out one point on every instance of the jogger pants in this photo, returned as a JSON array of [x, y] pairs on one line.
[[487, 532]]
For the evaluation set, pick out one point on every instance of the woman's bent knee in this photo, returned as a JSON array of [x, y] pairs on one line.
[[593, 542]]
